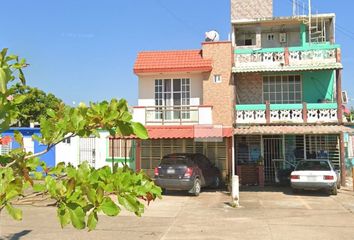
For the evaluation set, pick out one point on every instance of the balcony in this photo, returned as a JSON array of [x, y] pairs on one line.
[[173, 115], [312, 57], [286, 113]]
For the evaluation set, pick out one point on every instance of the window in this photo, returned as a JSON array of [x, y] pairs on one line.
[[282, 89], [217, 78], [5, 148], [174, 93], [118, 147], [270, 37]]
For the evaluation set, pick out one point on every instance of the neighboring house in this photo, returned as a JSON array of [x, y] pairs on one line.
[[97, 152], [29, 144], [288, 75], [185, 102]]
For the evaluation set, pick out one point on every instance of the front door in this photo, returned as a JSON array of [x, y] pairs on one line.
[[273, 149]]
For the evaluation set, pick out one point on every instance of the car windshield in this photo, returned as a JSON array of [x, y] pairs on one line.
[[313, 166], [174, 161]]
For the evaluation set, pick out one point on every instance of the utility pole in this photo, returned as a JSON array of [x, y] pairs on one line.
[[294, 7]]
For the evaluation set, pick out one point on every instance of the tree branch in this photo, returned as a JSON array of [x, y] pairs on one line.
[[40, 153]]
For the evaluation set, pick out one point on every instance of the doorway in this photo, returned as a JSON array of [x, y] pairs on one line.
[[273, 149]]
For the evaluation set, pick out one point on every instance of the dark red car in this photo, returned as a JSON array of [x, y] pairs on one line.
[[186, 171]]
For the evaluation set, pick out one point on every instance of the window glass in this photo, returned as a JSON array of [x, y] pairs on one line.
[[282, 89]]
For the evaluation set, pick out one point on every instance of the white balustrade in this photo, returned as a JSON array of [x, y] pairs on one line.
[[250, 116], [322, 115]]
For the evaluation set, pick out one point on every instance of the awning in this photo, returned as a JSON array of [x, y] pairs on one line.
[[176, 132], [291, 129], [308, 67]]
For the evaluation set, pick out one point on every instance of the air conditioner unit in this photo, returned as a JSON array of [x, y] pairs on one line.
[[344, 97], [282, 37]]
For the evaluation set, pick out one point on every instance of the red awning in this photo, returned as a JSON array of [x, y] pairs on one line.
[[176, 132]]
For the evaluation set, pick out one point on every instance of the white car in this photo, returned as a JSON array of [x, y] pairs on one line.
[[315, 174]]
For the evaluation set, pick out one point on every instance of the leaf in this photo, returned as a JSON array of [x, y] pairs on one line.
[[37, 187], [50, 113], [15, 213], [3, 81], [139, 130], [19, 99], [92, 220], [109, 207], [38, 175], [19, 138], [99, 194], [63, 215], [129, 203], [77, 215]]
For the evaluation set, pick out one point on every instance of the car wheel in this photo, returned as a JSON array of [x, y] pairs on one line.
[[334, 191], [197, 187]]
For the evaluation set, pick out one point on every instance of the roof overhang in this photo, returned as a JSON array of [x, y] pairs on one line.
[[309, 67]]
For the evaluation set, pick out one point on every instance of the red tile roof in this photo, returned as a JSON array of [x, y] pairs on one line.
[[172, 61], [175, 132]]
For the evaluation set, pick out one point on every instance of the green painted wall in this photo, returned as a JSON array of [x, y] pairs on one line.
[[318, 85]]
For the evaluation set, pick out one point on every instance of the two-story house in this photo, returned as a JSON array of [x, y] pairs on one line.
[[287, 73], [186, 101]]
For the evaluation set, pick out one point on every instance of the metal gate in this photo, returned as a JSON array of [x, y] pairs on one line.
[[87, 150], [273, 149]]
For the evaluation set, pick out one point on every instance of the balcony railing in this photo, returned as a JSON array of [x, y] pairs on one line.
[[286, 113], [322, 55], [173, 115]]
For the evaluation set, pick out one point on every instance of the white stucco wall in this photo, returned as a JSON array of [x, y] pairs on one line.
[[147, 87], [70, 152]]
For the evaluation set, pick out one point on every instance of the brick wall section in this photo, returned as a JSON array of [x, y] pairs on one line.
[[220, 95], [248, 88], [249, 9]]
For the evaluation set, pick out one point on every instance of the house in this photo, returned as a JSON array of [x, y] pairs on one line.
[[186, 101], [97, 151], [276, 86], [288, 77], [30, 145]]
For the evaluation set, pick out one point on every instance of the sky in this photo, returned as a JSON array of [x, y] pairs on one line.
[[84, 50]]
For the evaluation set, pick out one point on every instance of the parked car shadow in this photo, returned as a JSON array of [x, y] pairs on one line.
[[16, 236], [284, 189], [204, 190]]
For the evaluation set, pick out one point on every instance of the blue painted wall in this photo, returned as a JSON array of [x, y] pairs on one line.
[[48, 158]]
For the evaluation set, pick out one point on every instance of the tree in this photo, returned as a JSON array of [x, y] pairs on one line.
[[35, 104], [79, 193]]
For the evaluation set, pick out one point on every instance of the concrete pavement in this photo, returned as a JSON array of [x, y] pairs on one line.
[[274, 213]]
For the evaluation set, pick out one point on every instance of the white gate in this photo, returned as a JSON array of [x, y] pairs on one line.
[[87, 150]]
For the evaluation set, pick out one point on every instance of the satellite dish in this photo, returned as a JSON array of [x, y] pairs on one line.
[[212, 36]]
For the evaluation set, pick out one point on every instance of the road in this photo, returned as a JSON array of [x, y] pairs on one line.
[[274, 213]]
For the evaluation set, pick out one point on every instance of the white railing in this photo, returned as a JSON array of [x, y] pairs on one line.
[[282, 57], [268, 58], [173, 115], [305, 57], [286, 113]]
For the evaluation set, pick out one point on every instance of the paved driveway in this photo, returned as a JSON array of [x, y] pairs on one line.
[[271, 214]]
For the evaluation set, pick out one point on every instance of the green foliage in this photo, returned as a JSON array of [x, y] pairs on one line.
[[34, 105], [82, 192]]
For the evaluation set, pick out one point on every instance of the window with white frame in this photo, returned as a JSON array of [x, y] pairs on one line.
[[173, 93], [5, 148], [217, 78], [120, 148], [282, 89]]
